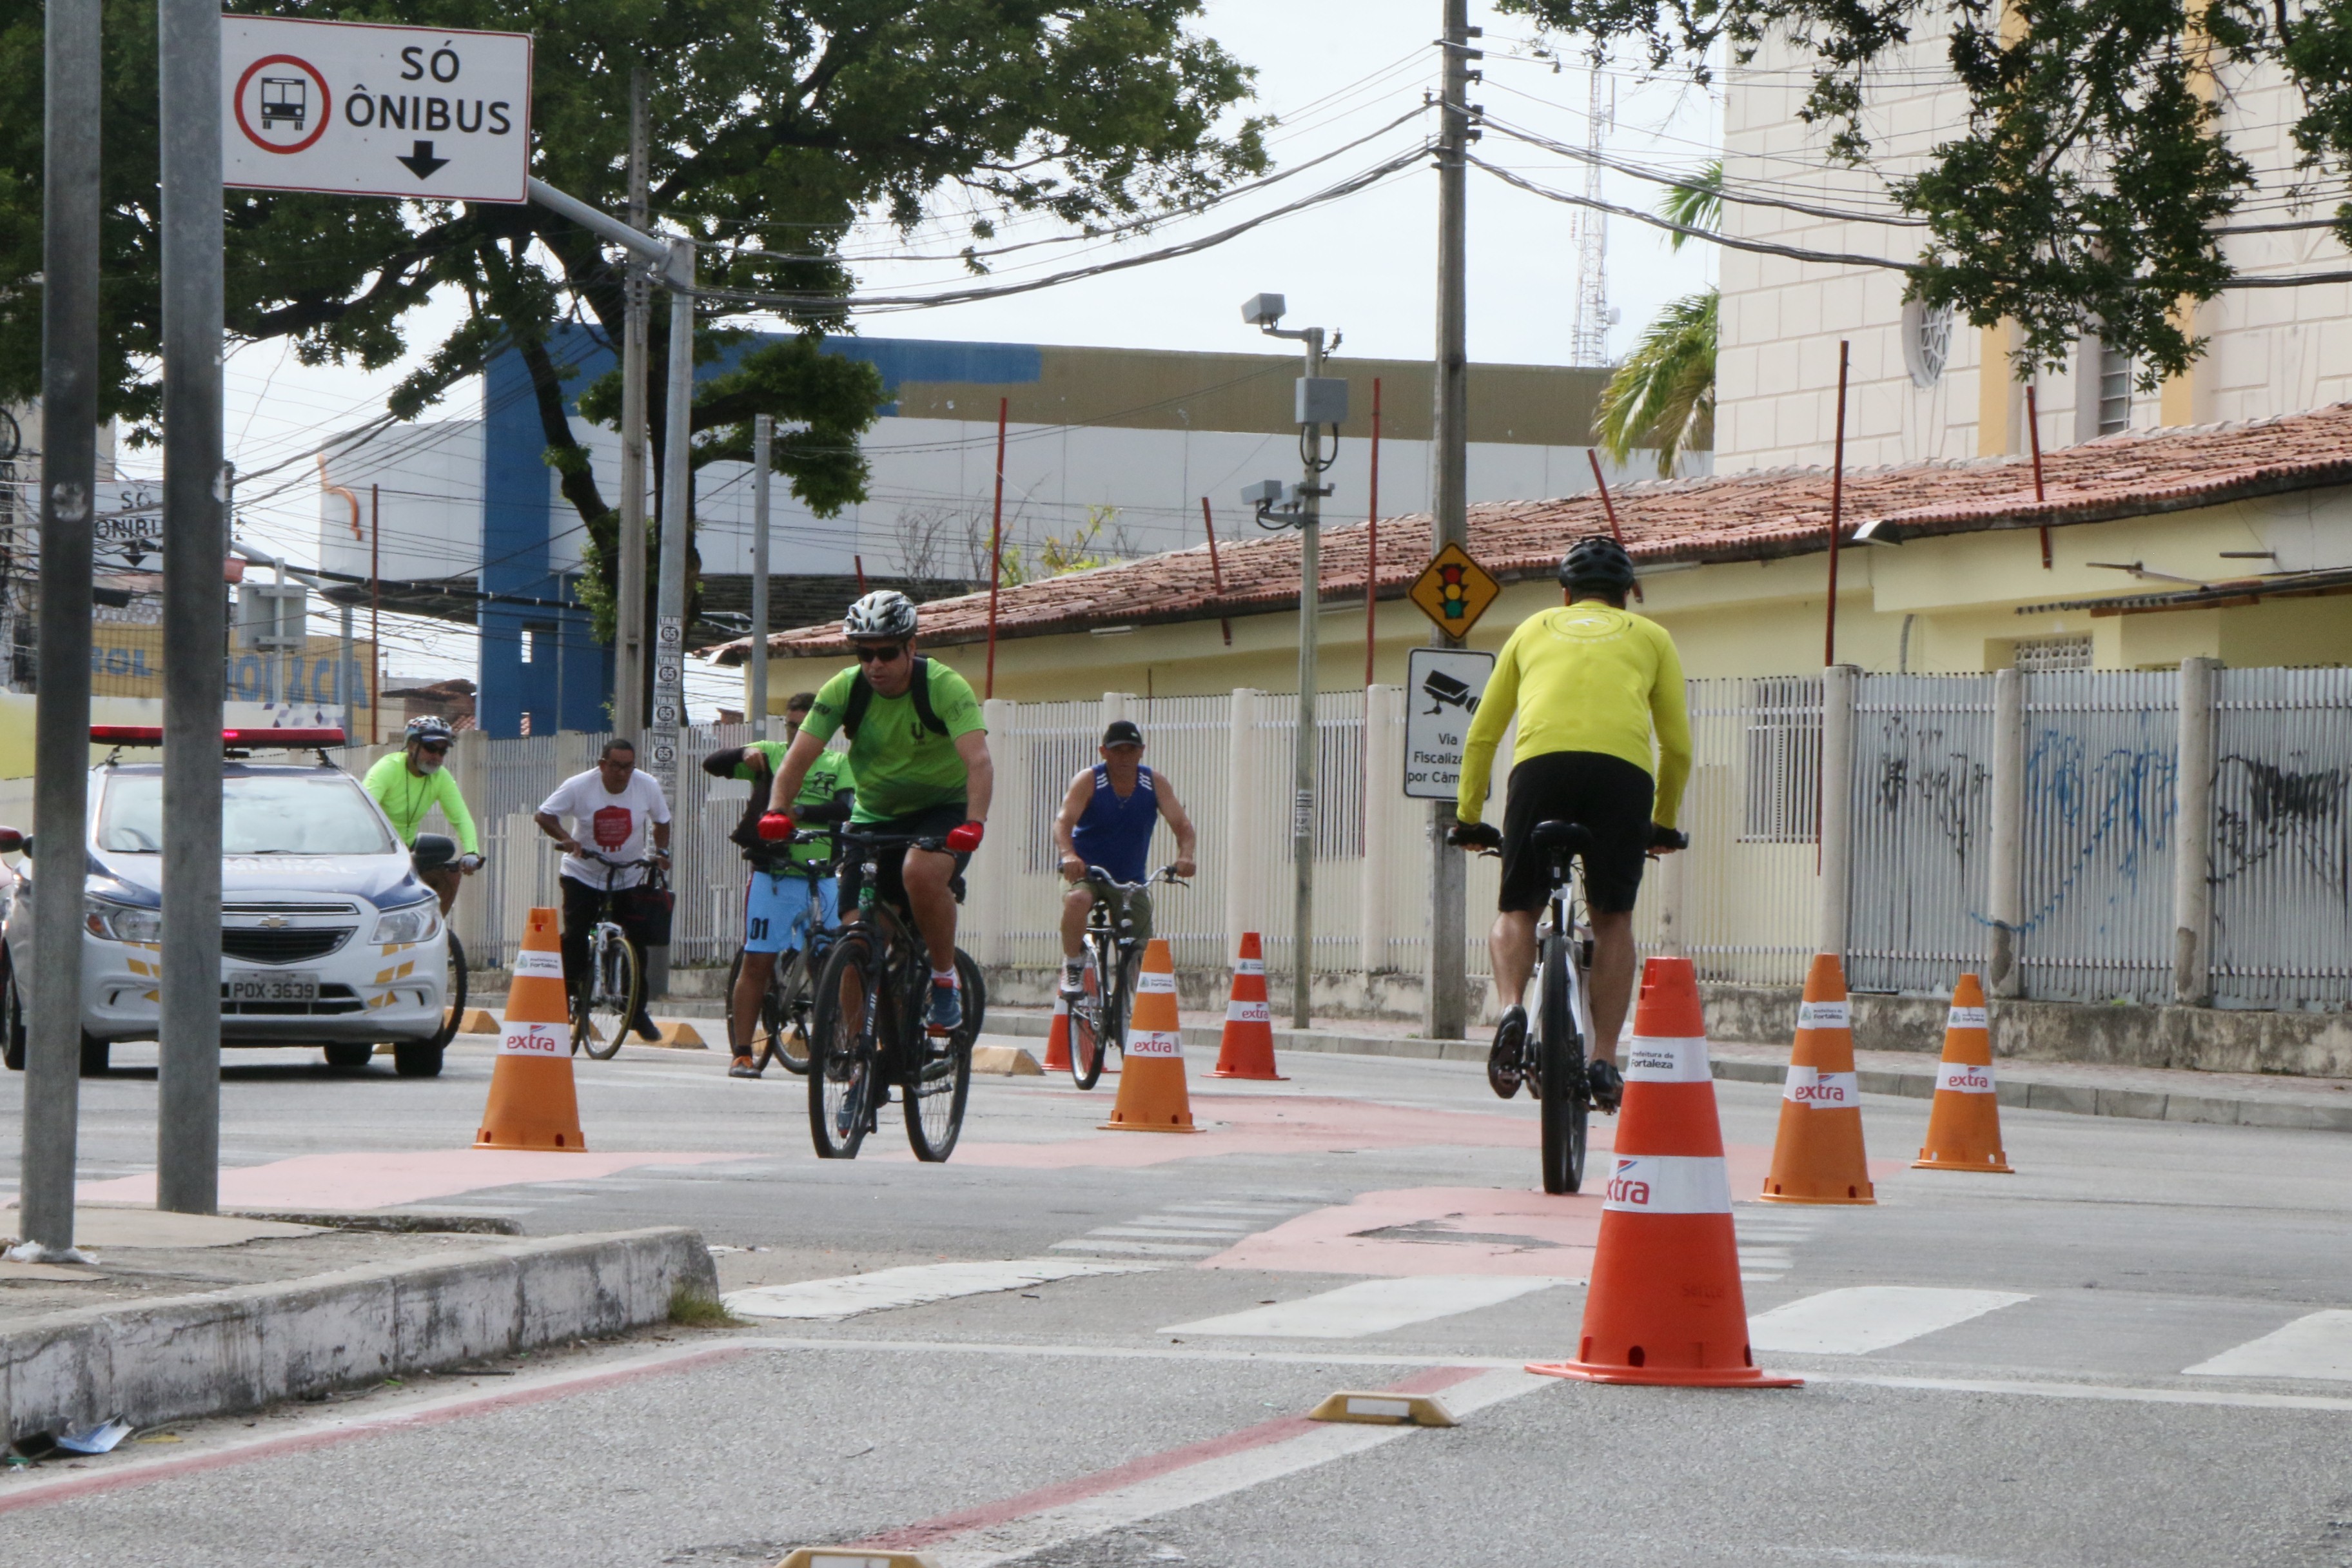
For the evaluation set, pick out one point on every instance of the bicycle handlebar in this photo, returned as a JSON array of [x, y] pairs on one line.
[[1165, 874]]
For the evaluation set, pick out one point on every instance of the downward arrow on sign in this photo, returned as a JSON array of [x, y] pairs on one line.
[[421, 161]]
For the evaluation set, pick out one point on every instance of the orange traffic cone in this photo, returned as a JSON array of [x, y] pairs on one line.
[[1964, 1123], [1246, 1049], [1818, 1157], [1153, 1096], [1665, 1304], [1057, 1034], [532, 1103]]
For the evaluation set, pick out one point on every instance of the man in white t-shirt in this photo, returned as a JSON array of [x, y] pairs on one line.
[[614, 809]]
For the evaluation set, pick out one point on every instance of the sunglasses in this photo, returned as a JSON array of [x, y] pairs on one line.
[[880, 655], [435, 751]]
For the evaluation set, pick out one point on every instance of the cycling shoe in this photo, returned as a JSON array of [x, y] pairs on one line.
[[1506, 1059], [1605, 1084], [743, 1066], [944, 1015]]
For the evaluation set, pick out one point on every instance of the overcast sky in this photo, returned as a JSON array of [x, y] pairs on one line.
[[1333, 72]]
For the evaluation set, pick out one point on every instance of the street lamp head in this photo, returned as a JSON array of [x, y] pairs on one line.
[[1262, 309]]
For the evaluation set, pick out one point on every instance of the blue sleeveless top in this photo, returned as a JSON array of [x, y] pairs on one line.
[[1116, 834]]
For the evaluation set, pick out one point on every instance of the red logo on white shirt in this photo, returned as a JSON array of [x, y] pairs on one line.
[[612, 826]]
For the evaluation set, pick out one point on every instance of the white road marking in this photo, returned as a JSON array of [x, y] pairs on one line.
[[1865, 1318], [2317, 1346], [833, 1300], [1205, 1481], [1135, 1248], [1193, 1225], [1134, 1232], [1372, 1307]]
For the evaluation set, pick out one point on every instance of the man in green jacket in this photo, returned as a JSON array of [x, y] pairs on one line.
[[412, 781]]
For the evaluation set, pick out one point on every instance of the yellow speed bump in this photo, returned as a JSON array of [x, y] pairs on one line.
[[1383, 1409], [1009, 1061], [853, 1557], [480, 1021]]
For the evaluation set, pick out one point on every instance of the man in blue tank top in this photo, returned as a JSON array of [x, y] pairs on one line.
[[1106, 821]]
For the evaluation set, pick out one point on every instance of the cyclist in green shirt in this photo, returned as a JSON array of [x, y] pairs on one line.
[[413, 780], [782, 897], [920, 750]]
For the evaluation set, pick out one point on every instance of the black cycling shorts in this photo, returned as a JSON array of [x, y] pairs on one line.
[[890, 883], [1609, 796]]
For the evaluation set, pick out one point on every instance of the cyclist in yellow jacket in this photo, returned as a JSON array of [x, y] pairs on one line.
[[1594, 687]]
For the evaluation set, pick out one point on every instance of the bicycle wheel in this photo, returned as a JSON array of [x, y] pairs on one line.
[[1121, 1003], [1086, 1028], [939, 1082], [784, 1014], [454, 988], [842, 1080], [1560, 1053], [608, 1003]]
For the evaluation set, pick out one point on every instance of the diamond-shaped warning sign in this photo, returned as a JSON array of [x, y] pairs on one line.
[[1455, 592]]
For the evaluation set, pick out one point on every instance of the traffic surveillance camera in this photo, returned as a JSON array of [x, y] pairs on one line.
[[1264, 493], [1262, 309]]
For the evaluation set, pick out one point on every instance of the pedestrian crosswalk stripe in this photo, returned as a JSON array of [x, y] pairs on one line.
[[1135, 1248], [1373, 1307], [2318, 1345], [1865, 1318], [850, 1295]]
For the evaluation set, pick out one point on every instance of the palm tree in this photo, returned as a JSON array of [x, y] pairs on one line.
[[1663, 396]]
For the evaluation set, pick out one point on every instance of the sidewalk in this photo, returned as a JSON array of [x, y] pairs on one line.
[[2085, 1088]]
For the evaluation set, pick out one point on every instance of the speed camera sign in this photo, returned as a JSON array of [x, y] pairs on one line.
[[364, 109]]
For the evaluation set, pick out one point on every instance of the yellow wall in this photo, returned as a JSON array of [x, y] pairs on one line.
[[1959, 595]]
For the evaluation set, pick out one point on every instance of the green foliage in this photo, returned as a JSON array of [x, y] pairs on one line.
[[1663, 396], [1698, 205], [2081, 194]]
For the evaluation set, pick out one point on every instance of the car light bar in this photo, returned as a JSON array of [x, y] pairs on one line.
[[152, 735]]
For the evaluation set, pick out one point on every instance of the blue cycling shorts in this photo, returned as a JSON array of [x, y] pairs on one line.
[[776, 911]]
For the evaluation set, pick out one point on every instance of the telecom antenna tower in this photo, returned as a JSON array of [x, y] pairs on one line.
[[1590, 343]]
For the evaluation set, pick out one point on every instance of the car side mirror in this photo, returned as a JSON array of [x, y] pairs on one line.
[[14, 842]]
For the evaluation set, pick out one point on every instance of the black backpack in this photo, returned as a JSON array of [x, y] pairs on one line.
[[861, 696]]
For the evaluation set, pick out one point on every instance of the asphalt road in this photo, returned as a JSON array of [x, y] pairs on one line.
[[1998, 1368]]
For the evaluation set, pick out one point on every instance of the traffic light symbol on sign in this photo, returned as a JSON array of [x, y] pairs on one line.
[[1454, 591]]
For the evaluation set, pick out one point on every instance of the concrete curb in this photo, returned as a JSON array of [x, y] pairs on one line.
[[2024, 1092], [239, 1348]]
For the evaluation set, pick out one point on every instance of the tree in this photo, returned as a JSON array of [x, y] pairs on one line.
[[775, 124], [2083, 194], [1663, 396]]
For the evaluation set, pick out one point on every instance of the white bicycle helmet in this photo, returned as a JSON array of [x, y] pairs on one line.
[[884, 612]]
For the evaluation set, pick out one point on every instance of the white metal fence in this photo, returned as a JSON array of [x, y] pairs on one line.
[[2097, 835]]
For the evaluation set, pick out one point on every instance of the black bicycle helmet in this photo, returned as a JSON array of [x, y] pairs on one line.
[[1597, 561]]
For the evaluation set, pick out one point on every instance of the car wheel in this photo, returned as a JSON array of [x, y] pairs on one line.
[[94, 1053], [416, 1058], [346, 1054], [12, 1022]]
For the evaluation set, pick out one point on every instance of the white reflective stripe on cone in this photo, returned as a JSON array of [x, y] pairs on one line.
[[1968, 1018], [1667, 1060], [529, 962], [1824, 1015], [1822, 1090], [1960, 1077], [1668, 1184], [1155, 1043], [1249, 1013], [1152, 979]]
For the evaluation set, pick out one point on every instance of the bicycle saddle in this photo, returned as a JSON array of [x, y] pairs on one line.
[[1570, 836]]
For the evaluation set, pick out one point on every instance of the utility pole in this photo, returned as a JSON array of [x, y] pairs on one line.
[[187, 1114], [629, 613], [763, 437], [1446, 1005], [677, 486], [61, 723], [376, 612]]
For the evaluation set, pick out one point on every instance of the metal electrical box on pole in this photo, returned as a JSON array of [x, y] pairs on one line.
[[1446, 1012]]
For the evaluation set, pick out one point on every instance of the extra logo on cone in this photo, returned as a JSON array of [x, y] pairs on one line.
[[1247, 1048], [1964, 1122], [1152, 1094], [1818, 1156], [533, 1103], [1666, 1306]]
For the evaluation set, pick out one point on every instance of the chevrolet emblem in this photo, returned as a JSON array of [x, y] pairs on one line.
[[272, 922]]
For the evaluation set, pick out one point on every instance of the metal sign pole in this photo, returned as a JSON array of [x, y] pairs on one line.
[[187, 1132], [1307, 736], [677, 483], [62, 735], [763, 439]]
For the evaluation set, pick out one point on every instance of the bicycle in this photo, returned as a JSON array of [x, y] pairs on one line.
[[1553, 1053], [785, 1006], [869, 1032], [614, 988], [422, 1058], [1098, 1019]]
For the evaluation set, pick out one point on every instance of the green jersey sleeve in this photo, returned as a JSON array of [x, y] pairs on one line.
[[954, 701], [831, 705]]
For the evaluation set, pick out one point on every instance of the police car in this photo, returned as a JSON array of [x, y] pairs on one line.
[[329, 939]]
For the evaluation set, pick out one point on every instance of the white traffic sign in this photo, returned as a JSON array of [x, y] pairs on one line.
[[1443, 689], [355, 108]]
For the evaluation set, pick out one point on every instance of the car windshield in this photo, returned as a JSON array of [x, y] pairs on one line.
[[261, 814]]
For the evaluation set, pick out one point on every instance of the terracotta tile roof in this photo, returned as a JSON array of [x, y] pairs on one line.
[[1743, 517]]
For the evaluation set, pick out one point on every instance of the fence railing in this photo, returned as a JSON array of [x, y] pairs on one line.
[[2094, 842]]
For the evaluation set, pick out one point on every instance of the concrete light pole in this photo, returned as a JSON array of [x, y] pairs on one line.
[[763, 439]]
